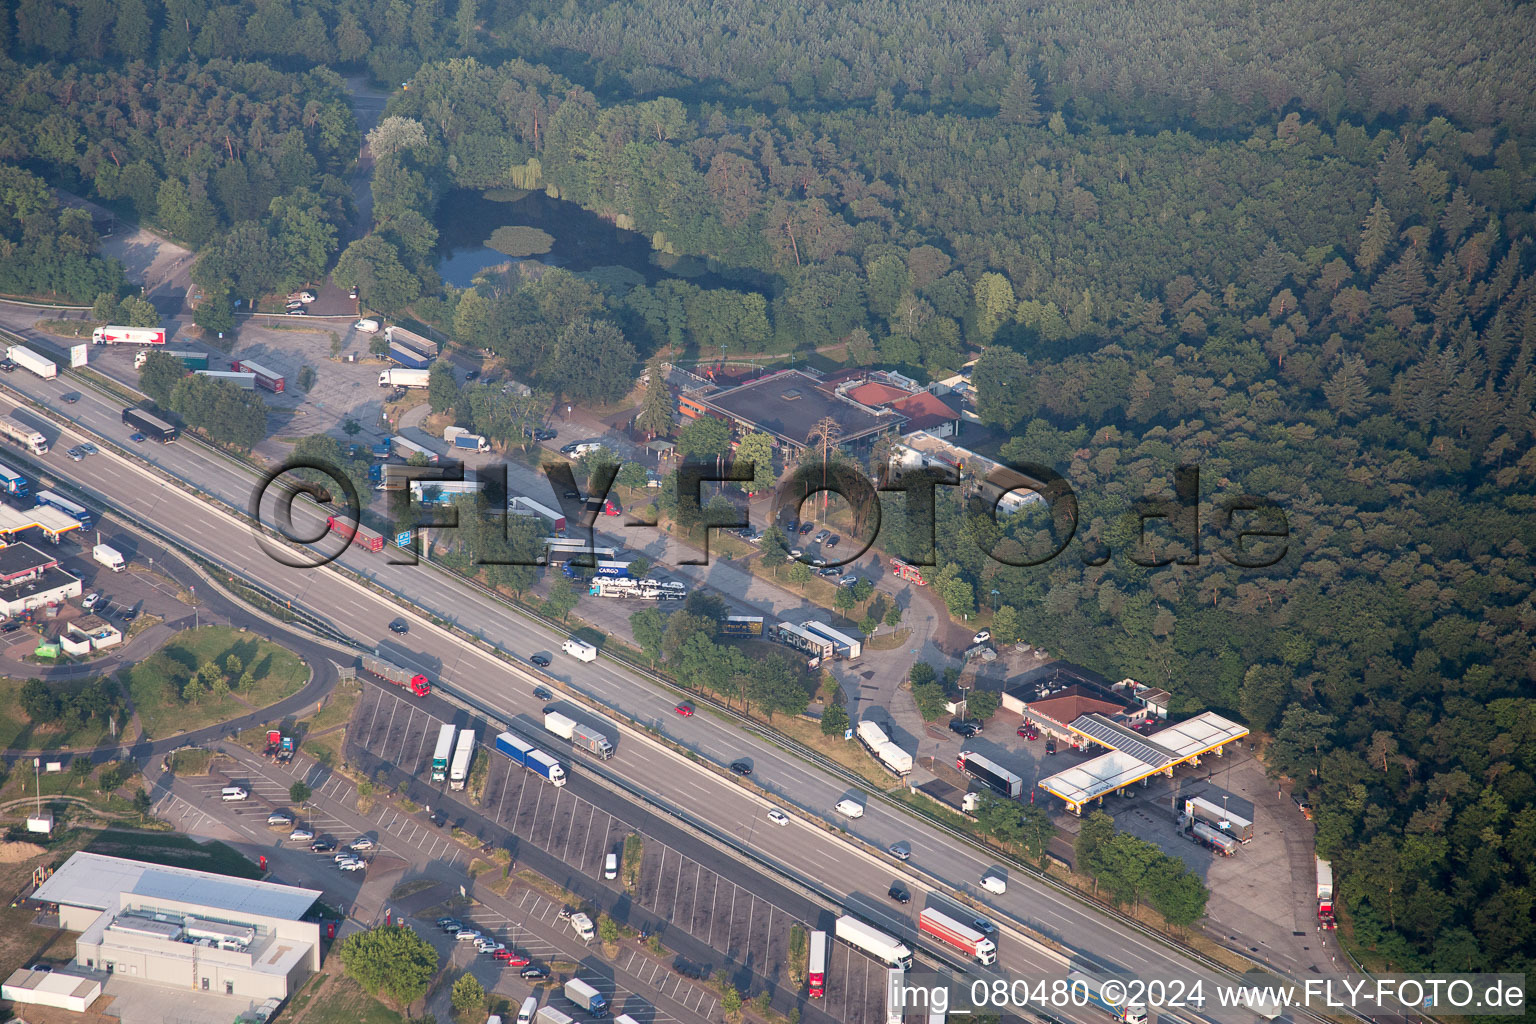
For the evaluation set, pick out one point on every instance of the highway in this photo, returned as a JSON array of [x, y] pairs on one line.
[[847, 872]]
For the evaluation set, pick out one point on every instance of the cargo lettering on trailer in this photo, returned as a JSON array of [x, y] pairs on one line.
[[741, 625]]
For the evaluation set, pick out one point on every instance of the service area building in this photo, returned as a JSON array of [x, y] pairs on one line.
[[30, 578], [186, 929]]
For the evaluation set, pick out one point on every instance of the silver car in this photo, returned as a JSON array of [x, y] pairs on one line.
[[301, 835]]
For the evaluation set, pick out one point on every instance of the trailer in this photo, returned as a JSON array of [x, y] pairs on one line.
[[442, 753], [845, 645], [886, 948], [561, 549], [153, 427], [442, 492], [242, 380], [531, 757], [584, 737], [110, 335], [464, 441], [265, 378], [803, 640], [463, 755], [190, 360], [355, 533], [29, 360], [605, 567], [396, 675], [741, 625], [28, 437], [1081, 986], [895, 1004], [520, 505], [985, 770], [586, 997], [81, 514], [895, 760], [425, 346], [1237, 827], [1221, 843], [13, 483], [579, 649], [816, 965], [405, 448], [403, 377], [408, 357], [550, 1015], [1325, 917], [957, 933]]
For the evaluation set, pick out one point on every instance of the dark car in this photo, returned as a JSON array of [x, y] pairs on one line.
[[1050, 744], [793, 527], [899, 893], [438, 818], [832, 541], [542, 693], [7, 365], [399, 626], [72, 398], [806, 528], [533, 971], [573, 495], [541, 660], [472, 375], [450, 924], [963, 728], [741, 768], [137, 438], [984, 926], [322, 846]]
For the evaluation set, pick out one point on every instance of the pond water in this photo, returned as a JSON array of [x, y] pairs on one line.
[[582, 239]]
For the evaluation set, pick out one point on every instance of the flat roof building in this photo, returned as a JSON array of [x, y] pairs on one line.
[[788, 406], [186, 929], [30, 578]]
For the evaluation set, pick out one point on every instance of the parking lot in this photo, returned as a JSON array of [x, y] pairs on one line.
[[744, 929]]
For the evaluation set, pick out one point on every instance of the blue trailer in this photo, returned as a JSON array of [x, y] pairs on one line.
[[531, 757], [407, 356]]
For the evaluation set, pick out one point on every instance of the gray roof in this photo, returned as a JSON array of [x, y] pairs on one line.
[[94, 881]]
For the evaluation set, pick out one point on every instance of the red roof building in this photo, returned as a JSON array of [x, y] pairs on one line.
[[926, 411]]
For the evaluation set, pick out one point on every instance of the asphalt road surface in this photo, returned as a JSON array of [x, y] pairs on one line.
[[850, 874]]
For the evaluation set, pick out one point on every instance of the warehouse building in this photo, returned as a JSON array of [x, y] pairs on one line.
[[186, 929]]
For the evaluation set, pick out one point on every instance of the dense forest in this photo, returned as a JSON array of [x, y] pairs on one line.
[[1286, 243]]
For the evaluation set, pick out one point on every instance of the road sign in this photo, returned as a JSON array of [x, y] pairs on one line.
[[403, 539]]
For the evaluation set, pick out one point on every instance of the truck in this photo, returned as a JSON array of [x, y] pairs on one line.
[[442, 752], [519, 505], [29, 438], [110, 557], [408, 357], [191, 360], [886, 948], [987, 771], [531, 757], [579, 649], [442, 492], [355, 533], [265, 378], [610, 569], [816, 966], [957, 933], [463, 754], [1325, 895], [1200, 809], [586, 997], [151, 426], [13, 483], [550, 1015], [376, 665], [895, 760], [402, 377], [584, 737], [1083, 986], [110, 335], [396, 335], [1222, 844], [366, 326], [895, 1003], [29, 360], [405, 448], [910, 573], [463, 440], [240, 379], [741, 625]]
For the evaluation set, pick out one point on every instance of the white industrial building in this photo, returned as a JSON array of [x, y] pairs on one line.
[[186, 929]]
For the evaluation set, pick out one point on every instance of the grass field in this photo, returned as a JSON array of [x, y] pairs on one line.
[[16, 731], [333, 998], [156, 683], [173, 850]]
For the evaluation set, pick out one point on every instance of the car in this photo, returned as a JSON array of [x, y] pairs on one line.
[[488, 946], [793, 527], [685, 710], [76, 454], [399, 626], [72, 398], [352, 293], [806, 528], [833, 541], [542, 693], [301, 835], [450, 924], [1028, 732], [901, 850], [511, 957], [306, 297], [293, 305], [544, 434], [848, 581], [40, 968], [573, 495], [827, 572], [541, 660], [280, 818], [472, 375], [796, 553], [821, 537], [344, 855], [322, 846], [982, 636], [91, 600], [673, 585], [533, 971], [984, 926], [467, 935], [438, 818], [963, 728], [360, 843], [7, 365], [137, 438], [899, 893], [741, 768], [88, 448], [778, 817], [297, 312], [352, 865], [819, 563], [1050, 744]]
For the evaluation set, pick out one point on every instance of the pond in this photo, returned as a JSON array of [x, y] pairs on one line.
[[581, 239]]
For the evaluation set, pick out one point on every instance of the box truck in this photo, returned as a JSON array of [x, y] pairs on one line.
[[396, 335], [403, 377], [463, 756], [531, 757], [1325, 894], [463, 440], [29, 360], [588, 739], [109, 557], [885, 948], [110, 335], [957, 933], [29, 438], [586, 997], [442, 752]]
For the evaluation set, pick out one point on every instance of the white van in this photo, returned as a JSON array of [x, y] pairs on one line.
[[993, 883], [579, 649], [525, 1015], [233, 793], [850, 808], [611, 866]]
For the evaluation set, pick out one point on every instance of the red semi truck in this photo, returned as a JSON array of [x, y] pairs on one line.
[[958, 934], [392, 673], [359, 535], [265, 378]]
